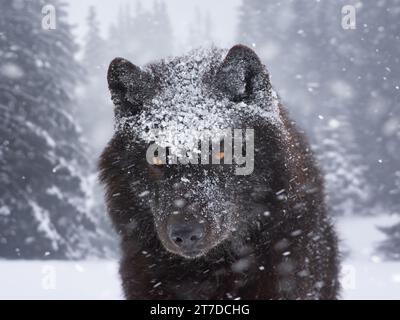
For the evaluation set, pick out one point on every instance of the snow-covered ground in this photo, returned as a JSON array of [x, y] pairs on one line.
[[59, 280], [365, 275]]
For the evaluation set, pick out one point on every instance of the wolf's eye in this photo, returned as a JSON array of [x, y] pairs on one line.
[[220, 155], [157, 161]]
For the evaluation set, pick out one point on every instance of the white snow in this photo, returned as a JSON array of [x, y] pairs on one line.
[[45, 224], [342, 89], [4, 211], [364, 274], [60, 280], [186, 111], [11, 71], [41, 133], [55, 191]]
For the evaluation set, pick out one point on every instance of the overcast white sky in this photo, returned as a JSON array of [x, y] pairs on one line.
[[224, 15]]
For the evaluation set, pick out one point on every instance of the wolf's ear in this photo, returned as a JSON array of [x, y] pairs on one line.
[[241, 74], [128, 83]]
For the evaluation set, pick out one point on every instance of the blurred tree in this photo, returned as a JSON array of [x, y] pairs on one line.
[[295, 40], [368, 57], [390, 246], [347, 190], [43, 199], [200, 31], [343, 74], [377, 66], [143, 36], [95, 46], [251, 13], [95, 114], [95, 110], [162, 36]]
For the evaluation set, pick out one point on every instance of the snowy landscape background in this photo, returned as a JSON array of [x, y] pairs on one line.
[[341, 84]]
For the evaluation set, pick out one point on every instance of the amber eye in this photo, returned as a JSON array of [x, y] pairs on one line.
[[157, 161], [220, 155]]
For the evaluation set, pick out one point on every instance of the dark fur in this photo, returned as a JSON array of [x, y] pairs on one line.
[[290, 254]]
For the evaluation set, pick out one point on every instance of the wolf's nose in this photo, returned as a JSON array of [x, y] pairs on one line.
[[187, 235]]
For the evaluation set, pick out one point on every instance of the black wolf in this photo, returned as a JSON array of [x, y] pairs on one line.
[[201, 231]]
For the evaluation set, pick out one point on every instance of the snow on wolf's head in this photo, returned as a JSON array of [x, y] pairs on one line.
[[171, 104]]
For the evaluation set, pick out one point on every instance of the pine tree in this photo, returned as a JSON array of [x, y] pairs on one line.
[[42, 158], [347, 192]]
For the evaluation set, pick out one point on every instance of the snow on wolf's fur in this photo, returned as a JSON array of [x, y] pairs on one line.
[[186, 108]]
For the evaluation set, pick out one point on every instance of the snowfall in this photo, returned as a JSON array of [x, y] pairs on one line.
[[364, 274]]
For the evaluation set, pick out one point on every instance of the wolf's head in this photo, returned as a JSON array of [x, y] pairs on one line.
[[171, 104]]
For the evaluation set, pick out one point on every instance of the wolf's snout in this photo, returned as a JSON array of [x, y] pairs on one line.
[[187, 234]]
